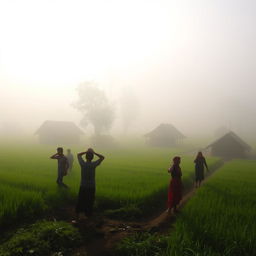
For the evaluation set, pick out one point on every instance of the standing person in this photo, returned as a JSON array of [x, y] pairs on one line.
[[86, 195], [200, 163], [175, 187], [70, 158], [62, 166]]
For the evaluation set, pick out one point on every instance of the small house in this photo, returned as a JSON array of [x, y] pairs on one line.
[[230, 146], [59, 133], [165, 135]]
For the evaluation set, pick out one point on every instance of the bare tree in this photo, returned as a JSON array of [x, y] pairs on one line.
[[95, 107]]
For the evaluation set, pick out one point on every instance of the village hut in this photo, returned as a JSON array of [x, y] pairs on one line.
[[59, 133], [230, 146], [165, 135]]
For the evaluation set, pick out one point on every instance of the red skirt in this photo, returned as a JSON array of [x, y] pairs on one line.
[[174, 192]]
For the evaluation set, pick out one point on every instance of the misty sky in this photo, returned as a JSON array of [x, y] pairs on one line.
[[188, 62]]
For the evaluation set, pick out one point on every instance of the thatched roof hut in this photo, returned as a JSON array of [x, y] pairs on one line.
[[164, 135], [59, 132], [230, 146]]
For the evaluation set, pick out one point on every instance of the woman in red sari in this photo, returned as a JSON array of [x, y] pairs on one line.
[[175, 187]]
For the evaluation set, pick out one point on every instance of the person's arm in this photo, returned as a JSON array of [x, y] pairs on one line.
[[206, 165], [173, 173], [101, 157], [79, 157], [81, 153], [55, 156]]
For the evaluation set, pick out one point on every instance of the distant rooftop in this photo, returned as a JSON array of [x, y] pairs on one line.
[[57, 126], [165, 130], [234, 137]]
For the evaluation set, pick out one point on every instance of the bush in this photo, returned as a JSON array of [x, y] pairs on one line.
[[41, 239]]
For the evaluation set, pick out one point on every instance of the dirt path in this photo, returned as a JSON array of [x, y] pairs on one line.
[[107, 232]]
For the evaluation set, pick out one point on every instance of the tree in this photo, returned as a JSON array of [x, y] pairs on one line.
[[95, 107]]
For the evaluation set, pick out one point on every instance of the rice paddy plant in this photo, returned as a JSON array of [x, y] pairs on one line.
[[220, 218], [19, 204], [131, 177]]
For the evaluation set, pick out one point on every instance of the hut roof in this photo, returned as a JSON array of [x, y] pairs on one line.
[[231, 135], [165, 130], [57, 126]]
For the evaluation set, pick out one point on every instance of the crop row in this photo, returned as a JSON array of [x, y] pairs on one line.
[[219, 220], [136, 179]]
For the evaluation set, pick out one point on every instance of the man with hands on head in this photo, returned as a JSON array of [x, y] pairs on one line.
[[86, 194], [62, 166]]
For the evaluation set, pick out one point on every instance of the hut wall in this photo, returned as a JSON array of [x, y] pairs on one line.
[[162, 142], [60, 139]]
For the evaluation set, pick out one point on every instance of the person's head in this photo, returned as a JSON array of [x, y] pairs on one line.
[[69, 151], [60, 151], [176, 160], [200, 154], [89, 156]]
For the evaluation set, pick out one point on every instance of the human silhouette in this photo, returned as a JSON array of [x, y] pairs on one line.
[[86, 194], [70, 158], [200, 163], [175, 187], [62, 166]]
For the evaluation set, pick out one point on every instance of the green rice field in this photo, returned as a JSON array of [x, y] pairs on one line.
[[217, 220], [220, 218], [133, 178]]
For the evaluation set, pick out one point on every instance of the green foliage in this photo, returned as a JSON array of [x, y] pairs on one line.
[[220, 218], [18, 204], [217, 221], [142, 244], [131, 181], [42, 239]]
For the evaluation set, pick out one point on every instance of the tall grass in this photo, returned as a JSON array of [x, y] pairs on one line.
[[131, 176], [18, 204], [220, 218]]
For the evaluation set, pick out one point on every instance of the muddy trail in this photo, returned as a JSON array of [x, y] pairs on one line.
[[103, 234]]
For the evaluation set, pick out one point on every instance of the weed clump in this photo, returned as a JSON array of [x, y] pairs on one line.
[[41, 239], [142, 244]]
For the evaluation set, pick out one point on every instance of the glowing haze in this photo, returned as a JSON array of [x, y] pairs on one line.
[[190, 63]]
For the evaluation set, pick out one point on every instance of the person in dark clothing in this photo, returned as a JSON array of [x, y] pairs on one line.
[[200, 163], [86, 194], [62, 166], [175, 187]]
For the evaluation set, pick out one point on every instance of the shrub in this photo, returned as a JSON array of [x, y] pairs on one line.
[[41, 239]]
